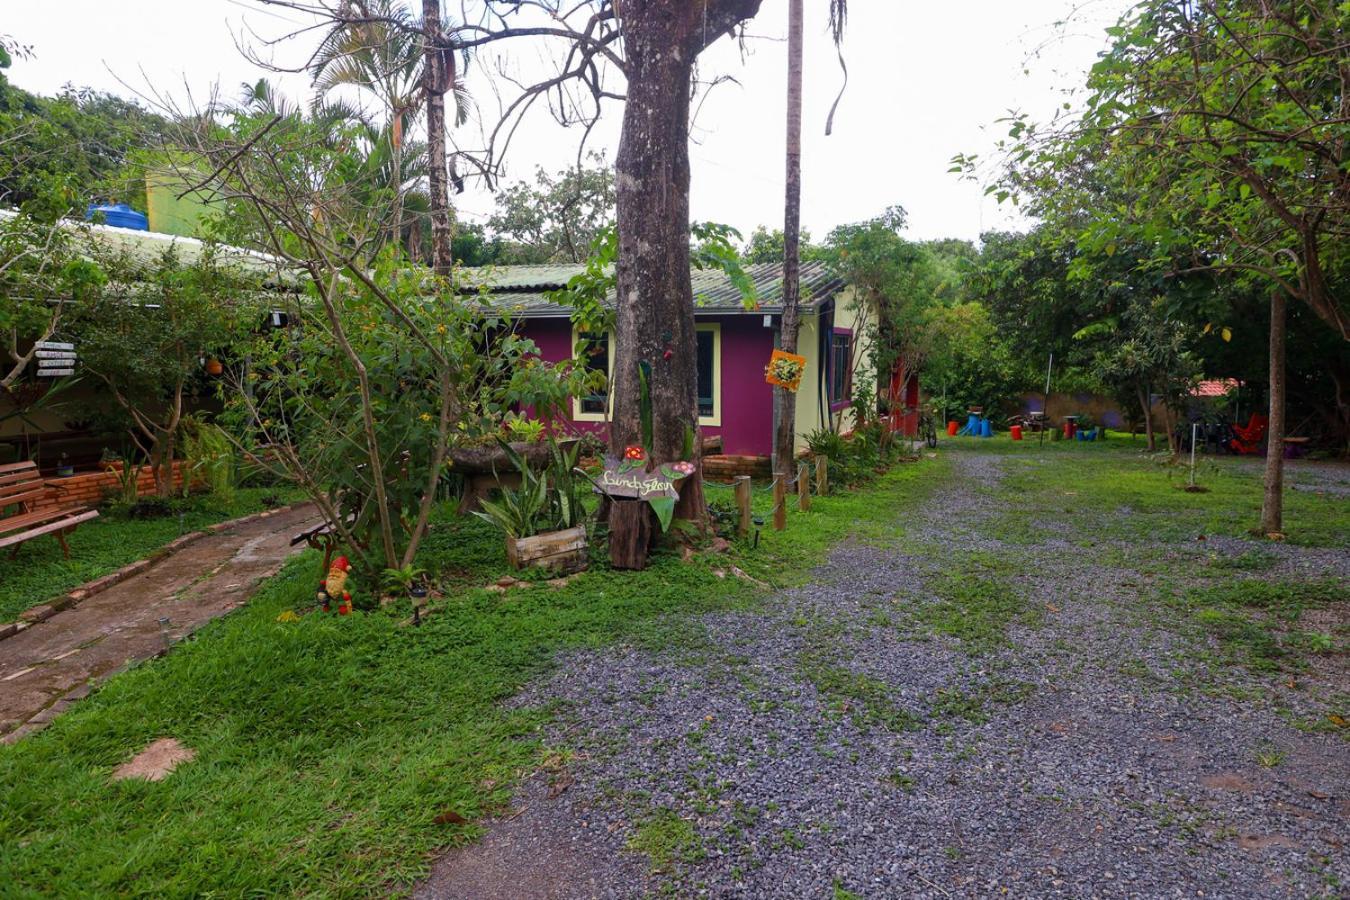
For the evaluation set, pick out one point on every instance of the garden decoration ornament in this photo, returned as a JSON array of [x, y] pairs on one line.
[[334, 588], [785, 369]]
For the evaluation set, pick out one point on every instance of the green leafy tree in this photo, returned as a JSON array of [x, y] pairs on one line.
[[1219, 129], [391, 367], [146, 336], [968, 363], [894, 275], [558, 217], [43, 278], [57, 154], [766, 246]]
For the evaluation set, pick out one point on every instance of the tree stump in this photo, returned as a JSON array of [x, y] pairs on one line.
[[630, 533]]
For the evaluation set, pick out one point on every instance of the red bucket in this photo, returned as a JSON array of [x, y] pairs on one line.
[[952, 428], [1016, 432]]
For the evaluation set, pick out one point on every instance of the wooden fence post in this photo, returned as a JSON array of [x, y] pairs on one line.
[[743, 505], [803, 487], [779, 502], [822, 475]]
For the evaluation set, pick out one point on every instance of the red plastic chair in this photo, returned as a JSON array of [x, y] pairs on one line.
[[1247, 440]]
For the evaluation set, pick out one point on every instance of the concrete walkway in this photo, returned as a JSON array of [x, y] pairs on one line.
[[56, 662]]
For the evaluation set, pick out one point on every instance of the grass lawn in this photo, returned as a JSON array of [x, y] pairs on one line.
[[329, 747], [1105, 491], [108, 543]]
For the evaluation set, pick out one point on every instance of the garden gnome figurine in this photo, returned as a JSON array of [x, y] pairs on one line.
[[334, 588]]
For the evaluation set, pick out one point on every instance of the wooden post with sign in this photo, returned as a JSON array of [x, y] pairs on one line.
[[779, 503], [642, 495], [803, 487], [743, 505], [822, 475]]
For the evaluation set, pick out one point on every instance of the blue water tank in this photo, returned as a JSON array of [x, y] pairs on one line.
[[118, 215]]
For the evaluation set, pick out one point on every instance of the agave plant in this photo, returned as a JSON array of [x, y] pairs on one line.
[[545, 501], [519, 512], [570, 486]]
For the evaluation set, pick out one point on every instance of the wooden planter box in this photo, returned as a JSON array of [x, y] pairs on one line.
[[564, 551]]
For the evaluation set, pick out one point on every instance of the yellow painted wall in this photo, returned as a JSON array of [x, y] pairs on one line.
[[808, 407], [809, 403]]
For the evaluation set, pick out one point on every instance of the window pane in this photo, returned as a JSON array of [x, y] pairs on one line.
[[597, 360], [840, 345], [705, 373]]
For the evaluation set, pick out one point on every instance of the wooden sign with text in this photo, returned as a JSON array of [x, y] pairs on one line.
[[624, 478]]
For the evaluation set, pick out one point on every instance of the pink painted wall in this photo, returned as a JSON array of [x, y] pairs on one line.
[[747, 400]]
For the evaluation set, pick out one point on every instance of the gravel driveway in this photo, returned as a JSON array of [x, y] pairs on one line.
[[837, 741]]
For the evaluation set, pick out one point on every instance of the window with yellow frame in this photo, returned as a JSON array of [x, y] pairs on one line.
[[595, 407]]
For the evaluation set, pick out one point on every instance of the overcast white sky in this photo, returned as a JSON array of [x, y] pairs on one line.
[[926, 80]]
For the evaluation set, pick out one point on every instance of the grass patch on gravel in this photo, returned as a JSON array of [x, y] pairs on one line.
[[40, 572], [331, 751], [1255, 623], [866, 699], [666, 839], [976, 610]]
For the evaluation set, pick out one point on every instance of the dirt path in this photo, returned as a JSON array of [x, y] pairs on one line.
[[45, 668], [852, 739]]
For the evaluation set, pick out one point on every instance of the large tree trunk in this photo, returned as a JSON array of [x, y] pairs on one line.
[[1272, 507], [785, 401], [435, 83], [655, 296], [662, 38]]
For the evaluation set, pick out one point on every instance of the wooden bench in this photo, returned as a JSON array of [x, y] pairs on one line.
[[22, 486]]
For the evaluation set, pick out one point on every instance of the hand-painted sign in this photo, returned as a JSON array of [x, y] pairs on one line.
[[630, 479]]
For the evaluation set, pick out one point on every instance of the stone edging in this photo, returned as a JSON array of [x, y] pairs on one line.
[[44, 611]]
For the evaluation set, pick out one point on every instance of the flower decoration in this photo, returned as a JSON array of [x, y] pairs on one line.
[[785, 369], [683, 467], [634, 453]]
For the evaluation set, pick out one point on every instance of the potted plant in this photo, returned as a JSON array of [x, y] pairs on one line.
[[542, 519]]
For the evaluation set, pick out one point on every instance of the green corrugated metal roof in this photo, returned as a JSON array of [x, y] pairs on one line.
[[521, 290], [146, 248]]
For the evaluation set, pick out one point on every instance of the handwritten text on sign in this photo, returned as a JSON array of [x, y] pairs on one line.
[[618, 480]]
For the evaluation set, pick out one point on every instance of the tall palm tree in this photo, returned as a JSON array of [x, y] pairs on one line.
[[382, 54], [785, 402], [440, 76]]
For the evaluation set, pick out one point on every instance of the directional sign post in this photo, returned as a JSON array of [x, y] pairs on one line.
[[55, 359]]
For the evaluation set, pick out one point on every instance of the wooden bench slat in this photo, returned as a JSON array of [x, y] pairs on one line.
[[15, 467], [13, 499], [37, 517], [60, 525], [26, 475]]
